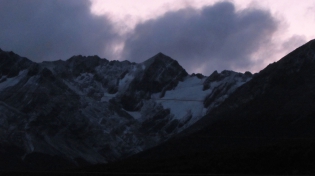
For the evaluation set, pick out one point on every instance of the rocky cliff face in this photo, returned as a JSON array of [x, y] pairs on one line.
[[94, 110]]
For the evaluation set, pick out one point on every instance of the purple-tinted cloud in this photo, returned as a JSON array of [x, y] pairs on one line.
[[53, 29], [215, 38]]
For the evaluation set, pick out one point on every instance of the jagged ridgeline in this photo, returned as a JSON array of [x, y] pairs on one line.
[[88, 110], [266, 126]]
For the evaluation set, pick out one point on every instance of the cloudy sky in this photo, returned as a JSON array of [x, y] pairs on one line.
[[203, 35]]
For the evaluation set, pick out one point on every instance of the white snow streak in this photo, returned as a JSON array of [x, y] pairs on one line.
[[9, 82]]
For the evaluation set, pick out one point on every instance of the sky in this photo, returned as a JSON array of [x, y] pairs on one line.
[[202, 35]]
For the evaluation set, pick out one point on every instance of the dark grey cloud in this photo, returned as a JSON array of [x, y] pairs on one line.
[[214, 38], [53, 29]]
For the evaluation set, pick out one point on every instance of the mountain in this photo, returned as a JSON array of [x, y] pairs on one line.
[[88, 110], [266, 126]]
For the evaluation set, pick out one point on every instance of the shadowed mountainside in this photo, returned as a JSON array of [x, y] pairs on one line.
[[266, 126]]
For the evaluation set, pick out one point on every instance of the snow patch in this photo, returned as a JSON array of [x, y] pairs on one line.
[[186, 98], [9, 82], [134, 68], [84, 78], [123, 83], [107, 97], [136, 114]]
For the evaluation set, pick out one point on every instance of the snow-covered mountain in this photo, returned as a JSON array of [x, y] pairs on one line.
[[94, 110]]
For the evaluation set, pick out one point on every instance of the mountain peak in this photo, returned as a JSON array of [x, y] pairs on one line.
[[160, 54], [159, 57], [12, 64]]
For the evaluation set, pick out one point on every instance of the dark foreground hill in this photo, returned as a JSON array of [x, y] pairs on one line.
[[267, 126]]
